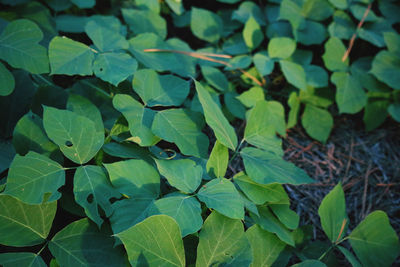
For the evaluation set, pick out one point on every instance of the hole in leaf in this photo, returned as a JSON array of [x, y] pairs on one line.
[[90, 198], [68, 143], [101, 69]]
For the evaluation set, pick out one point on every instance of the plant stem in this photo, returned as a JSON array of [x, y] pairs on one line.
[[236, 151]]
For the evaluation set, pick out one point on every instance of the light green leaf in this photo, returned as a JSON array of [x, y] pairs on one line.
[[24, 225], [215, 193], [392, 41], [294, 104], [140, 240], [70, 57], [222, 240], [342, 26], [139, 118], [263, 63], [152, 5], [386, 67], [291, 10], [19, 46], [179, 126], [250, 97], [13, 259], [252, 34], [135, 178], [34, 178], [160, 90], [317, 122], [281, 47], [76, 135], [349, 256], [288, 217], [317, 10], [266, 168], [176, 6], [294, 74], [145, 21], [84, 107], [374, 241], [184, 174], [105, 38], [216, 119], [81, 244], [249, 9], [184, 209], [310, 263], [215, 78], [206, 25], [218, 161], [7, 81], [334, 52], [341, 4], [92, 189], [350, 96], [265, 246]]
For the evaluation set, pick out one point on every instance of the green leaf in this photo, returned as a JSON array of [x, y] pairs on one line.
[[139, 118], [105, 38], [176, 6], [246, 10], [341, 4], [250, 97], [349, 256], [206, 25], [317, 122], [12, 259], [216, 119], [392, 41], [76, 135], [7, 154], [215, 78], [375, 113], [81, 244], [294, 74], [217, 164], [291, 10], [334, 51], [24, 225], [34, 178], [215, 193], [263, 63], [84, 3], [265, 246], [294, 104], [342, 26], [140, 240], [92, 189], [252, 34], [160, 90], [114, 67], [266, 168], [312, 33], [19, 46], [184, 209], [310, 263], [281, 47], [260, 193], [317, 10], [179, 126], [285, 215], [374, 241], [394, 111], [317, 77], [7, 81], [145, 21], [385, 67], [184, 174], [83, 107], [70, 57], [135, 178], [222, 240], [126, 151]]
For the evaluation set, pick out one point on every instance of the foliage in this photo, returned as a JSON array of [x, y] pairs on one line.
[[163, 158]]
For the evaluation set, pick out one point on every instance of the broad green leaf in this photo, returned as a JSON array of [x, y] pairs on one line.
[[246, 10], [394, 111], [316, 76], [7, 81], [180, 127], [139, 118], [294, 104], [156, 241], [350, 96], [294, 74], [184, 209], [218, 161], [24, 225], [222, 240], [152, 5], [215, 78], [176, 6], [77, 136], [334, 52], [34, 178], [135, 178], [358, 11], [81, 244], [7, 153], [317, 122], [374, 241], [310, 263], [260, 193], [373, 32], [105, 38], [215, 193], [263, 63], [13, 259], [281, 47], [291, 10], [265, 246], [252, 34], [234, 106], [206, 25], [392, 41], [145, 21], [70, 57], [266, 168], [313, 33], [92, 189], [19, 46], [375, 113], [341, 4], [235, 45], [342, 26], [216, 119], [127, 151], [83, 107], [268, 222], [183, 174], [84, 3], [239, 62], [160, 90], [349, 256], [317, 10], [250, 97], [385, 67], [114, 67], [288, 217]]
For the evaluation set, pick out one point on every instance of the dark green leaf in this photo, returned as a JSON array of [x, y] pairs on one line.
[[206, 25], [12, 259], [145, 21], [317, 122], [215, 78], [7, 81], [105, 38], [252, 34]]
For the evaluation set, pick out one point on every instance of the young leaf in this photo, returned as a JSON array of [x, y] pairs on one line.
[[281, 47], [7, 81], [317, 122], [252, 34], [215, 78], [216, 119], [206, 25], [263, 63], [334, 51], [294, 73], [294, 104], [218, 161], [285, 215], [250, 97], [24, 225], [162, 230], [34, 178]]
